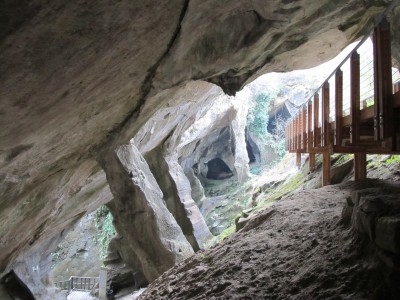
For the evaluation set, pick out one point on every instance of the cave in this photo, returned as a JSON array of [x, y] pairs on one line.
[[98, 110], [15, 288], [218, 169]]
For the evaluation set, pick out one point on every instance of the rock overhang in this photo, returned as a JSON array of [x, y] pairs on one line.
[[78, 79]]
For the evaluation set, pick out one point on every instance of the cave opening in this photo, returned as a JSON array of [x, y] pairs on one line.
[[218, 169], [250, 152], [15, 288]]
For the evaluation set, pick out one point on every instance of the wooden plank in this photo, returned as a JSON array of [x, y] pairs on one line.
[[396, 100], [383, 81], [325, 115], [360, 166], [338, 107], [355, 97], [316, 120], [326, 168], [300, 132], [304, 122], [309, 127], [311, 162], [290, 134]]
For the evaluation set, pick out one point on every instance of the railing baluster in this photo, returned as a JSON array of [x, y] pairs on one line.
[[316, 120], [355, 98], [383, 81], [325, 115], [338, 107]]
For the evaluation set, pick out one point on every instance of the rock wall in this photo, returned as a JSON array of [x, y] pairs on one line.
[[80, 78], [140, 213], [374, 213]]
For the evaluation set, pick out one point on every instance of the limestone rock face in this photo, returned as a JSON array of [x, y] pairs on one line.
[[80, 78], [149, 228]]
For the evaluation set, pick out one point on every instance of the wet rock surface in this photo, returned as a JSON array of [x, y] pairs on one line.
[[299, 248]]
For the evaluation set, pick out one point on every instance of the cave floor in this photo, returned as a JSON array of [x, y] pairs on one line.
[[297, 248]]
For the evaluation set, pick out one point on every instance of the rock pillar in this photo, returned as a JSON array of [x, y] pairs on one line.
[[140, 214]]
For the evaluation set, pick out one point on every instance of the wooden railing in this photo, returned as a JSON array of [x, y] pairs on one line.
[[356, 110], [78, 283]]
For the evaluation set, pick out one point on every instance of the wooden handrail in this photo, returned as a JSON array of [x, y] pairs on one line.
[[374, 129]]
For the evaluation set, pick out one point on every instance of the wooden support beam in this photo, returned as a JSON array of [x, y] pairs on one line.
[[326, 168], [299, 130], [295, 133], [383, 81], [355, 97], [309, 126], [360, 166], [325, 115], [338, 107], [316, 120], [298, 159], [304, 146], [311, 162]]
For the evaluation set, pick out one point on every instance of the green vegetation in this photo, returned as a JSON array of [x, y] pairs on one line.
[[288, 186], [227, 232], [106, 230], [257, 118], [393, 158]]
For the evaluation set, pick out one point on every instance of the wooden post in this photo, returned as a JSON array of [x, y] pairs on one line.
[[325, 115], [311, 162], [326, 168], [298, 146], [304, 146], [103, 284], [298, 159], [295, 133], [310, 135], [383, 82], [311, 155], [360, 166], [355, 98], [338, 107], [316, 120]]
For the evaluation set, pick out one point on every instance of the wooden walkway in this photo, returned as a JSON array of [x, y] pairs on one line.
[[356, 110]]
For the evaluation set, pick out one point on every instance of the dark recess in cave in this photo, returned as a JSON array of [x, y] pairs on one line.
[[252, 157], [16, 288], [253, 152], [218, 169]]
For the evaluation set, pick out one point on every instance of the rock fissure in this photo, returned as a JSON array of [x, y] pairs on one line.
[[147, 84]]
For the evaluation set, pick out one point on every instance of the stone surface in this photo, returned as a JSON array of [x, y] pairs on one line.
[[387, 234], [297, 248], [78, 79], [78, 254], [141, 215]]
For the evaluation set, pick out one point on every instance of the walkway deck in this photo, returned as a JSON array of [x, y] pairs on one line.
[[356, 110]]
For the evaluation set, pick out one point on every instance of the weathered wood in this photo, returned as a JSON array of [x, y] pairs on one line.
[[304, 146], [298, 159], [355, 97], [383, 81], [325, 115], [360, 166], [311, 161], [316, 120], [326, 168], [300, 129], [309, 127], [338, 107]]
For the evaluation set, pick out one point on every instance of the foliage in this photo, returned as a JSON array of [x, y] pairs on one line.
[[227, 232], [106, 230], [393, 158], [257, 118]]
